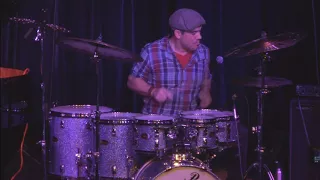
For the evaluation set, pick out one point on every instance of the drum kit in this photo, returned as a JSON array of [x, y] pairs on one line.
[[97, 142]]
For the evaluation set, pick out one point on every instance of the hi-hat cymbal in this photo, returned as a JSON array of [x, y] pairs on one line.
[[265, 44], [269, 82], [103, 50], [36, 23]]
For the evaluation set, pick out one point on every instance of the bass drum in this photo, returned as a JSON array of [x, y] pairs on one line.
[[165, 168]]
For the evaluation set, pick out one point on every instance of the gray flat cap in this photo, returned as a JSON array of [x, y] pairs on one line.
[[186, 19]]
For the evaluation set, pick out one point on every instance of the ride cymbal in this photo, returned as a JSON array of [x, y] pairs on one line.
[[103, 50], [265, 44]]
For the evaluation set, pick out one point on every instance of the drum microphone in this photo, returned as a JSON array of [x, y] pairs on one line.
[[234, 97]]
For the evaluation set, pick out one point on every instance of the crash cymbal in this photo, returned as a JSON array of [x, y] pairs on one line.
[[270, 82], [36, 23], [10, 72], [265, 44], [103, 50]]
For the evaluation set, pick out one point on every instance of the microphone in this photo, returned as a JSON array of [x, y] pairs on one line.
[[219, 59], [234, 97]]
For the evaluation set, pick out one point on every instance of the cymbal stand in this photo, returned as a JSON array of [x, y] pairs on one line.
[[96, 59], [40, 38], [258, 129]]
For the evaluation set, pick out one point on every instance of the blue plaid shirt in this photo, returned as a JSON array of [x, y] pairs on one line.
[[161, 68]]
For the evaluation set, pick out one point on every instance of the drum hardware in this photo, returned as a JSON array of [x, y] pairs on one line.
[[259, 149], [41, 31], [263, 46], [236, 118], [72, 156], [101, 50]]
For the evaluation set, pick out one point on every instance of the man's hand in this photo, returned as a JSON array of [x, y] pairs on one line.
[[161, 94], [205, 99]]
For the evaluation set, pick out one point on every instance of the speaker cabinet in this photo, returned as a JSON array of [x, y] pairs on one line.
[[304, 138]]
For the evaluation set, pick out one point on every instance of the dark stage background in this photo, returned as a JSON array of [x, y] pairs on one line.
[[70, 77]]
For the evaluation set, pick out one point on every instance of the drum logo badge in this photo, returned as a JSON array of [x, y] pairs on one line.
[[194, 176]]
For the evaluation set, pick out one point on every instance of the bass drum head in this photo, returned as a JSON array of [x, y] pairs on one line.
[[158, 169]]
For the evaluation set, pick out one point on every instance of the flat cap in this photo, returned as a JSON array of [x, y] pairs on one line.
[[186, 19]]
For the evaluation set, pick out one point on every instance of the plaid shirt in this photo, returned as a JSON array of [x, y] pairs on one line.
[[161, 68]]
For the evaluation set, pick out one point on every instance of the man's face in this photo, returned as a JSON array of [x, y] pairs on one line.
[[190, 40]]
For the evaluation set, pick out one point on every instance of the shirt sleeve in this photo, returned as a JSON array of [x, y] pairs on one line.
[[142, 69]]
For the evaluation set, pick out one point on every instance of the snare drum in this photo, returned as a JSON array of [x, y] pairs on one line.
[[151, 133], [166, 168], [72, 140], [199, 130], [116, 145]]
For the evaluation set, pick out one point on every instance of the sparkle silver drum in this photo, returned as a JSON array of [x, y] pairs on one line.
[[117, 145], [71, 140], [199, 130], [176, 166], [225, 124], [154, 133]]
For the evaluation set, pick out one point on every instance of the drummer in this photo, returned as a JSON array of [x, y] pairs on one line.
[[174, 75]]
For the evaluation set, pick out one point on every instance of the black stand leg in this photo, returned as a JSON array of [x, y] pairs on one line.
[[258, 129]]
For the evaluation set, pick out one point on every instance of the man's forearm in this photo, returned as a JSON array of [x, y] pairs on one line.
[[139, 86], [206, 85]]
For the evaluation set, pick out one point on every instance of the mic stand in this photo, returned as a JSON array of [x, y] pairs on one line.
[[236, 121], [40, 38], [258, 129]]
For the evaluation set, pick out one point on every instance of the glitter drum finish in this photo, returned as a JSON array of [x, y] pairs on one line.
[[154, 133], [71, 140], [221, 127], [117, 145]]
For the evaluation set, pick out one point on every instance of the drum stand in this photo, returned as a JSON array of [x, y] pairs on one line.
[[40, 37], [258, 128], [96, 154]]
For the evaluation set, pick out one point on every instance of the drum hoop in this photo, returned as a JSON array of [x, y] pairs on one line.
[[117, 122], [74, 115], [198, 121], [225, 118], [205, 112], [155, 121], [119, 118]]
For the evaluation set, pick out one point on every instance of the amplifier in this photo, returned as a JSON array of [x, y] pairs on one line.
[[304, 138], [308, 90]]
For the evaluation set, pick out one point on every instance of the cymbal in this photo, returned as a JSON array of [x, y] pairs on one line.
[[10, 72], [103, 50], [265, 44], [270, 82], [36, 23]]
